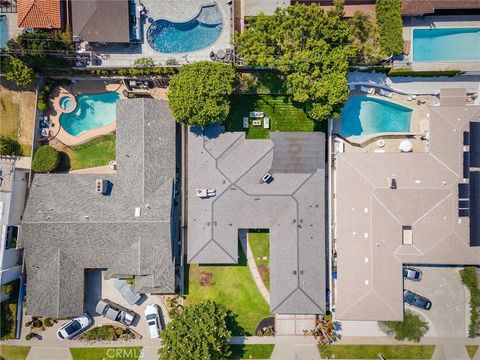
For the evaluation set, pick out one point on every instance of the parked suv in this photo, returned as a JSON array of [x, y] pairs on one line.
[[153, 321], [412, 274], [115, 312], [416, 300]]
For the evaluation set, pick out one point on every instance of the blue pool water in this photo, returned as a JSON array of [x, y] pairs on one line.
[[171, 37], [93, 111], [66, 103], [3, 31], [447, 44], [363, 116]]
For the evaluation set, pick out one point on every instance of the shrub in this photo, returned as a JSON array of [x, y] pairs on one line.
[[409, 72], [49, 322], [46, 159], [19, 72], [9, 146], [412, 327], [29, 336], [145, 62], [171, 62], [36, 323], [42, 105], [389, 22], [470, 280]]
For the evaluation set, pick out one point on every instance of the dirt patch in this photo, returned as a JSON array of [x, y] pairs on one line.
[[263, 270], [206, 279]]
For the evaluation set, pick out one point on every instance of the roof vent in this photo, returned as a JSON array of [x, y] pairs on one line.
[[137, 212], [101, 186]]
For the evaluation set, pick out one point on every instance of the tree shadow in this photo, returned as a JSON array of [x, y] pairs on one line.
[[64, 165], [234, 326]]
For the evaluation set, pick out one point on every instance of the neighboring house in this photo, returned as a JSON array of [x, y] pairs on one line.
[[438, 7], [292, 207], [13, 187], [40, 14], [101, 21], [130, 229], [430, 217]]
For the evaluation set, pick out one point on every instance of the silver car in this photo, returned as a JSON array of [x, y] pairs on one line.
[[412, 274], [127, 292]]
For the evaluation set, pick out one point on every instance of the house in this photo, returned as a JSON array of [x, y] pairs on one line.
[[101, 21], [40, 14], [439, 7], [13, 186], [430, 216], [123, 223], [290, 204]]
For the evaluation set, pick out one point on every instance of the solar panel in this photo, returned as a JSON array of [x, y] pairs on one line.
[[474, 208], [466, 165], [464, 204], [465, 213], [466, 138], [463, 191], [475, 144]]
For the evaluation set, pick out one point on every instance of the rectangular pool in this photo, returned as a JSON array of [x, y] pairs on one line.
[[3, 31], [446, 45]]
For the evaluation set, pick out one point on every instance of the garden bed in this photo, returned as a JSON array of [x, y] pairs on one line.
[[8, 309], [109, 333]]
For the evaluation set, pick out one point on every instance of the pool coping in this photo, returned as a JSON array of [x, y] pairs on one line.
[[437, 28], [218, 39]]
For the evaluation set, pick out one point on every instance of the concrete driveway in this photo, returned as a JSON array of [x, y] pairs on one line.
[[448, 316]]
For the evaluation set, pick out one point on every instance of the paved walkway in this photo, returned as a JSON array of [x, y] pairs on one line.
[[95, 170], [50, 353], [243, 237]]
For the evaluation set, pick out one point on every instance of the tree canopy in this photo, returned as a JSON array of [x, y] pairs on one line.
[[365, 39], [46, 159], [311, 47], [19, 72], [412, 327], [198, 332], [389, 21], [9, 146], [199, 93]]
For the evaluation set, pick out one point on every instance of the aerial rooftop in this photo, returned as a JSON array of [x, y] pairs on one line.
[[69, 227], [424, 219], [291, 207]]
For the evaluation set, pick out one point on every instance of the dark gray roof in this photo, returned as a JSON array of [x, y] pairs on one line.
[[101, 20], [291, 207], [68, 227]]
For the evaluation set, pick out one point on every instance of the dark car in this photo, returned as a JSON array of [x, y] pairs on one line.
[[412, 274], [416, 300]]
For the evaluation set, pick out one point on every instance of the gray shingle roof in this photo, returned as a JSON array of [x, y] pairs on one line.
[[291, 207], [369, 216], [68, 227]]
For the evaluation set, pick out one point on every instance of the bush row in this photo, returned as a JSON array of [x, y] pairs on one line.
[[409, 72], [470, 280]]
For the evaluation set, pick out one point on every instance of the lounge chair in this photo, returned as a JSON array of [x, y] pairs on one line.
[[386, 93], [245, 122], [368, 90], [266, 123], [256, 114]]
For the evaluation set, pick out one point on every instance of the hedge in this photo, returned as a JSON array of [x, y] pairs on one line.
[[150, 71], [409, 72], [470, 280], [389, 21], [46, 159]]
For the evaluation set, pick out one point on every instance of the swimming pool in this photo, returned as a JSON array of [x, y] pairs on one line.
[[446, 44], [363, 116], [66, 103], [198, 33], [92, 111], [3, 31]]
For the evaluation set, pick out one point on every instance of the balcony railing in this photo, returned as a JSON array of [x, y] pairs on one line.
[[8, 6]]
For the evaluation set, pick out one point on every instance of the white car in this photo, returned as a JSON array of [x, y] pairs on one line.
[[74, 327], [153, 320]]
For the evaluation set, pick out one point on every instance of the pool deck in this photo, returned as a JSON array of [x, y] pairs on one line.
[[460, 21], [178, 11], [57, 133]]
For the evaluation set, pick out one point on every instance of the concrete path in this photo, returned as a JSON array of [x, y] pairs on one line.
[[49, 353], [287, 349], [95, 170], [252, 265]]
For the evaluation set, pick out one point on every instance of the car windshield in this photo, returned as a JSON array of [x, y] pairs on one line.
[[151, 317], [73, 327], [151, 323]]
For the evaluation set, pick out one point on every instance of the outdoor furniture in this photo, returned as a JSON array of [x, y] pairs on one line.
[[368, 90], [221, 53], [245, 122], [266, 123], [385, 93], [257, 122], [405, 145], [205, 193], [256, 114], [380, 143]]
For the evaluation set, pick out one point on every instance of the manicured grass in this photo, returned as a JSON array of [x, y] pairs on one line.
[[232, 286], [13, 352], [284, 115], [97, 152], [8, 312], [472, 350], [372, 351], [113, 353], [263, 351], [260, 245], [9, 113]]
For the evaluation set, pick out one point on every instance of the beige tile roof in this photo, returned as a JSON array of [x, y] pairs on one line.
[[369, 217], [39, 14]]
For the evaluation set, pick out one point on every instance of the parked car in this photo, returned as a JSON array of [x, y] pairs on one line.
[[74, 327], [412, 274], [153, 321], [416, 300], [115, 312], [127, 292]]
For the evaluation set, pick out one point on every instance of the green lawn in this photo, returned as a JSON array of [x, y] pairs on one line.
[[263, 351], [13, 352], [232, 286], [472, 350], [260, 245], [9, 113], [284, 115], [372, 351], [8, 313], [113, 353], [97, 152]]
